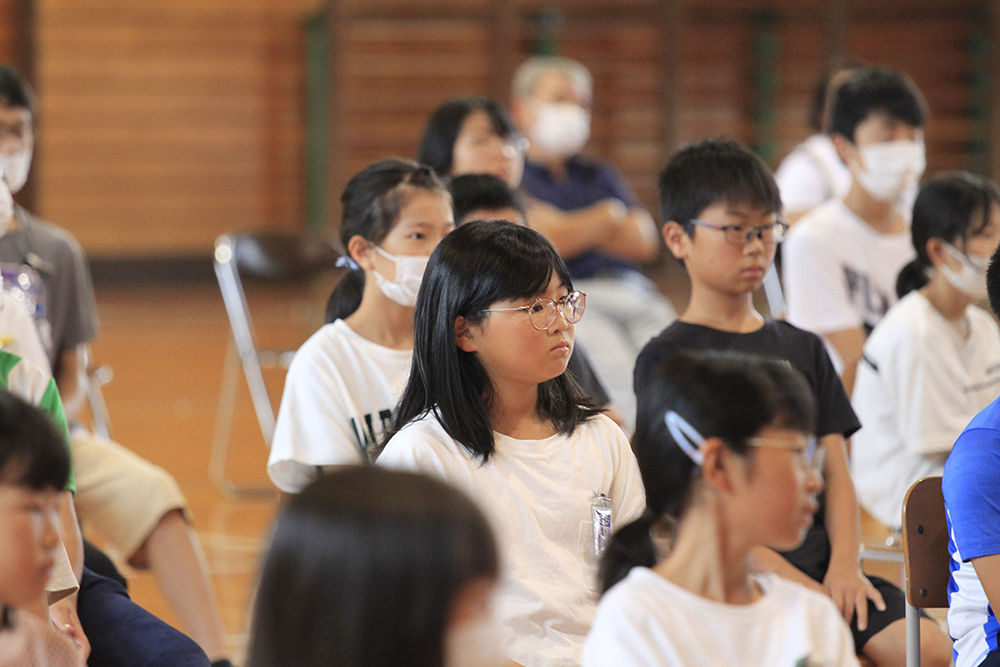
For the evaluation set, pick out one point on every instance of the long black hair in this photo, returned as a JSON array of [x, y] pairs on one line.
[[437, 147], [475, 266], [954, 207], [371, 203], [362, 571], [33, 451], [721, 394]]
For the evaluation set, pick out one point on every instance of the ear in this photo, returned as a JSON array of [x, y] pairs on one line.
[[463, 335], [359, 248], [936, 252], [718, 465], [846, 150], [677, 240]]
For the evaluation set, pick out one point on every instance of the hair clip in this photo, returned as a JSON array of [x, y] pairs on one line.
[[685, 435], [348, 262]]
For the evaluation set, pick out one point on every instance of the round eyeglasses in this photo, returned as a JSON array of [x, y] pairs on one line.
[[542, 311], [740, 235]]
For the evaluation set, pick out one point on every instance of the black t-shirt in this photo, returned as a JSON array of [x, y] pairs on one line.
[[807, 354]]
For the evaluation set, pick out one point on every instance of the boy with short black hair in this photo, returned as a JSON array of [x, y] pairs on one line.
[[485, 197], [841, 260], [720, 206], [970, 483]]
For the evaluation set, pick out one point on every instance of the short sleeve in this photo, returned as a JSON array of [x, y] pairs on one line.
[[313, 425], [411, 451], [627, 491], [835, 413], [800, 182], [73, 280], [815, 288], [970, 483]]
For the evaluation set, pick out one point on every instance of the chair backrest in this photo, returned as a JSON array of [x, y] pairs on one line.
[[925, 544]]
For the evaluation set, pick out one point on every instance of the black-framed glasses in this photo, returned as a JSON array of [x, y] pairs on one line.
[[542, 311], [740, 235]]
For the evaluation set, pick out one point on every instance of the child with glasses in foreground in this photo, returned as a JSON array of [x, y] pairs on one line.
[[720, 208], [490, 409], [729, 462]]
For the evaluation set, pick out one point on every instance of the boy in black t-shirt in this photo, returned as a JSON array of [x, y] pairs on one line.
[[720, 206]]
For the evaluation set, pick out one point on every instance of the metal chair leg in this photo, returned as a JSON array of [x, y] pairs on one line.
[[223, 433], [912, 636]]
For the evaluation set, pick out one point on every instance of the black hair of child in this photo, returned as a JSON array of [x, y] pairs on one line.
[[953, 206], [713, 171], [872, 90], [371, 204], [33, 451], [475, 192], [14, 90], [725, 395], [363, 570]]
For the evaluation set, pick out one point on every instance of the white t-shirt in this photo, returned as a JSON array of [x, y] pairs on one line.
[[811, 174], [339, 397], [839, 273], [648, 621], [537, 495], [918, 385]]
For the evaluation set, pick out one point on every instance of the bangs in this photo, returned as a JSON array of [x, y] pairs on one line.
[[509, 262], [41, 469]]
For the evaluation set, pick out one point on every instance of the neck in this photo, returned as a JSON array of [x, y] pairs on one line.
[[555, 164], [711, 308], [381, 320], [514, 412], [945, 299], [881, 216], [707, 559]]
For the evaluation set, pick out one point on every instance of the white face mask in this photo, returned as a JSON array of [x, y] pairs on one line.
[[409, 273], [476, 643], [6, 208], [970, 280], [15, 168], [561, 129], [890, 167]]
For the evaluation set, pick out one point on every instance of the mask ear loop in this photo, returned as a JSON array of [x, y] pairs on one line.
[[685, 435]]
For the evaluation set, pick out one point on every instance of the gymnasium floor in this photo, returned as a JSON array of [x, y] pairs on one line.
[[166, 346]]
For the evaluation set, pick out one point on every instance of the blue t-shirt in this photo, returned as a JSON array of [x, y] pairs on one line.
[[971, 487], [586, 184]]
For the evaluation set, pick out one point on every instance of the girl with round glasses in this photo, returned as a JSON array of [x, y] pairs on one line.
[[489, 408], [728, 459]]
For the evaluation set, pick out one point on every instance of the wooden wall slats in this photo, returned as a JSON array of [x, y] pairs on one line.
[[166, 122]]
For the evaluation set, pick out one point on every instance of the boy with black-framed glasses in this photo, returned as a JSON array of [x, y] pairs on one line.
[[720, 207]]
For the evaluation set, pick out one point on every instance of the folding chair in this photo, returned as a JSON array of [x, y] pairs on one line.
[[925, 550], [268, 257]]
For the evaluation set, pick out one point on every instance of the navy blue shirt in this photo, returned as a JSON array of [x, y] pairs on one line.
[[586, 184]]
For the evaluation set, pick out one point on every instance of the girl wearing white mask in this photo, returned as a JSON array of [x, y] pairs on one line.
[[373, 568], [933, 362], [344, 382]]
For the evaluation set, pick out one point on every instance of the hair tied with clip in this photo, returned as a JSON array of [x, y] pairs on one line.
[[348, 262], [685, 435]]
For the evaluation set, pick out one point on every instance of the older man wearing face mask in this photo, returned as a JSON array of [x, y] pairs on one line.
[[592, 217]]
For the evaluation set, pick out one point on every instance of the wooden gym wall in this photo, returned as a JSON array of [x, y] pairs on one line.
[[165, 123]]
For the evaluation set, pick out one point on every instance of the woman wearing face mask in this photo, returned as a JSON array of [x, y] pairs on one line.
[[344, 382], [372, 568], [933, 361]]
